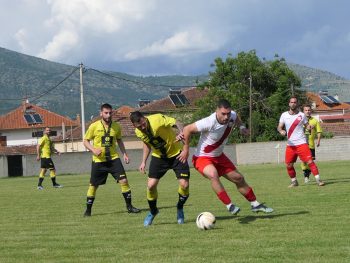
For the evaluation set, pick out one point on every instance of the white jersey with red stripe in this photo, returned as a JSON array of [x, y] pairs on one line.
[[213, 135], [294, 124]]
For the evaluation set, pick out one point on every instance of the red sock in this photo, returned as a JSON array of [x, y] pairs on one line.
[[224, 197], [291, 172], [313, 168], [250, 196]]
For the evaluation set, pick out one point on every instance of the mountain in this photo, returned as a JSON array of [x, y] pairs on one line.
[[56, 86], [316, 80]]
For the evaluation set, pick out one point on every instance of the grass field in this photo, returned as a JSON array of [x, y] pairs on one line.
[[310, 223]]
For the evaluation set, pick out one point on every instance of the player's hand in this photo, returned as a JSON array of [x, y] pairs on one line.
[[142, 168], [283, 132], [318, 144], [183, 156], [126, 158], [180, 137], [245, 131], [38, 158], [97, 151]]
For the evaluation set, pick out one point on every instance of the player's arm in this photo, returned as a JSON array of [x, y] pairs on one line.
[[242, 128], [122, 149], [319, 134], [38, 152], [145, 153], [95, 151], [179, 126], [187, 132], [280, 129]]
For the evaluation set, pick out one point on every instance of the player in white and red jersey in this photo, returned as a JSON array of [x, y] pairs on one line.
[[294, 123], [210, 160]]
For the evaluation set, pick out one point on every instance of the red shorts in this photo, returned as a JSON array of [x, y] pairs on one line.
[[222, 164], [302, 150]]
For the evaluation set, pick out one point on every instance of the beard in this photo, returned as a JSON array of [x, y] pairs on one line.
[[107, 120]]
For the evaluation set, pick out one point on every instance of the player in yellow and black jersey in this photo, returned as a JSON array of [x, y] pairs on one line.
[[157, 134], [104, 134], [44, 149], [311, 134]]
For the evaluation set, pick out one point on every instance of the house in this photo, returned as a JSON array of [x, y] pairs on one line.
[[333, 114], [24, 125]]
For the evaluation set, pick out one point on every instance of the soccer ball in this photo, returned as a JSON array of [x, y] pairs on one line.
[[205, 221]]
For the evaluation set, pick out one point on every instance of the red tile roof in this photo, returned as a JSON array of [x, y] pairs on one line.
[[120, 115], [18, 150], [165, 104], [321, 106], [14, 120]]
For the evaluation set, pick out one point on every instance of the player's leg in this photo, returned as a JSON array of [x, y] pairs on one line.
[[306, 171], [290, 158], [98, 177], [238, 179], [306, 156], [52, 168], [90, 198], [157, 168], [182, 172], [41, 178], [118, 172]]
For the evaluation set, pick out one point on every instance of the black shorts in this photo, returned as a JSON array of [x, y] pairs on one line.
[[100, 171], [313, 153], [47, 163], [158, 167]]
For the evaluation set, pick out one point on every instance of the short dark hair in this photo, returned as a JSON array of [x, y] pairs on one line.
[[293, 97], [306, 106], [223, 103], [136, 116], [106, 106]]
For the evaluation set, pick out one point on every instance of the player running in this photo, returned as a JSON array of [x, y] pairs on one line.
[[294, 122]]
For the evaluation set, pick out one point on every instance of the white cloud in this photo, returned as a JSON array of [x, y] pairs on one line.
[[180, 44], [60, 44]]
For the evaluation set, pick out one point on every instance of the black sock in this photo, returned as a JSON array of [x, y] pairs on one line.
[[127, 198], [153, 206], [182, 201], [53, 180], [41, 179], [89, 203], [307, 173]]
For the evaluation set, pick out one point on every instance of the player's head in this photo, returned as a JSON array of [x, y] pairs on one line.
[[307, 110], [106, 112], [47, 130], [293, 103], [223, 111], [139, 121]]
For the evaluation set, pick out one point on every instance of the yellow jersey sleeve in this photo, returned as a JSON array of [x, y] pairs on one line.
[[96, 132]]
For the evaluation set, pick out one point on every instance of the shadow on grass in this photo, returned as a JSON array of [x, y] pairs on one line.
[[249, 219], [142, 210]]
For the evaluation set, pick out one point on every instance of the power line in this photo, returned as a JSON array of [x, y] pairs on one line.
[[141, 83], [38, 96]]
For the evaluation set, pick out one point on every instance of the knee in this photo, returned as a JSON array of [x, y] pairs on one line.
[[289, 165], [184, 184]]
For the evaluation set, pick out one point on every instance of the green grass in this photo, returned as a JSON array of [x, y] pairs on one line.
[[310, 223]]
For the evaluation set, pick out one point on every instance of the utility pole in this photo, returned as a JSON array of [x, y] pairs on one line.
[[250, 106], [82, 101]]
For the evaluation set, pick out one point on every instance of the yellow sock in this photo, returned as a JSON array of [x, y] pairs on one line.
[[152, 195], [91, 191], [125, 187]]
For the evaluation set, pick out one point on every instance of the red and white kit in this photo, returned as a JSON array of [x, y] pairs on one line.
[[294, 127], [211, 144], [296, 145]]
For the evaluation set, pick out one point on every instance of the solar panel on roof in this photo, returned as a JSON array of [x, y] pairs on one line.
[[334, 100], [37, 118], [29, 119], [175, 100], [326, 99], [183, 99]]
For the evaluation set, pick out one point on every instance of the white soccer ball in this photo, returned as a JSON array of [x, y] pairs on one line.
[[205, 221]]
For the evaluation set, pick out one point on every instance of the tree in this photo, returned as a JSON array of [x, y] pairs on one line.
[[273, 83]]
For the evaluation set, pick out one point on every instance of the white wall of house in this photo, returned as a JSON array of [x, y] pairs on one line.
[[23, 136]]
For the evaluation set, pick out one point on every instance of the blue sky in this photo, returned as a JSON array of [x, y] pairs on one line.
[[161, 37]]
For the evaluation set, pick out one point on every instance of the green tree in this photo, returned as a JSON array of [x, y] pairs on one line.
[[273, 83]]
